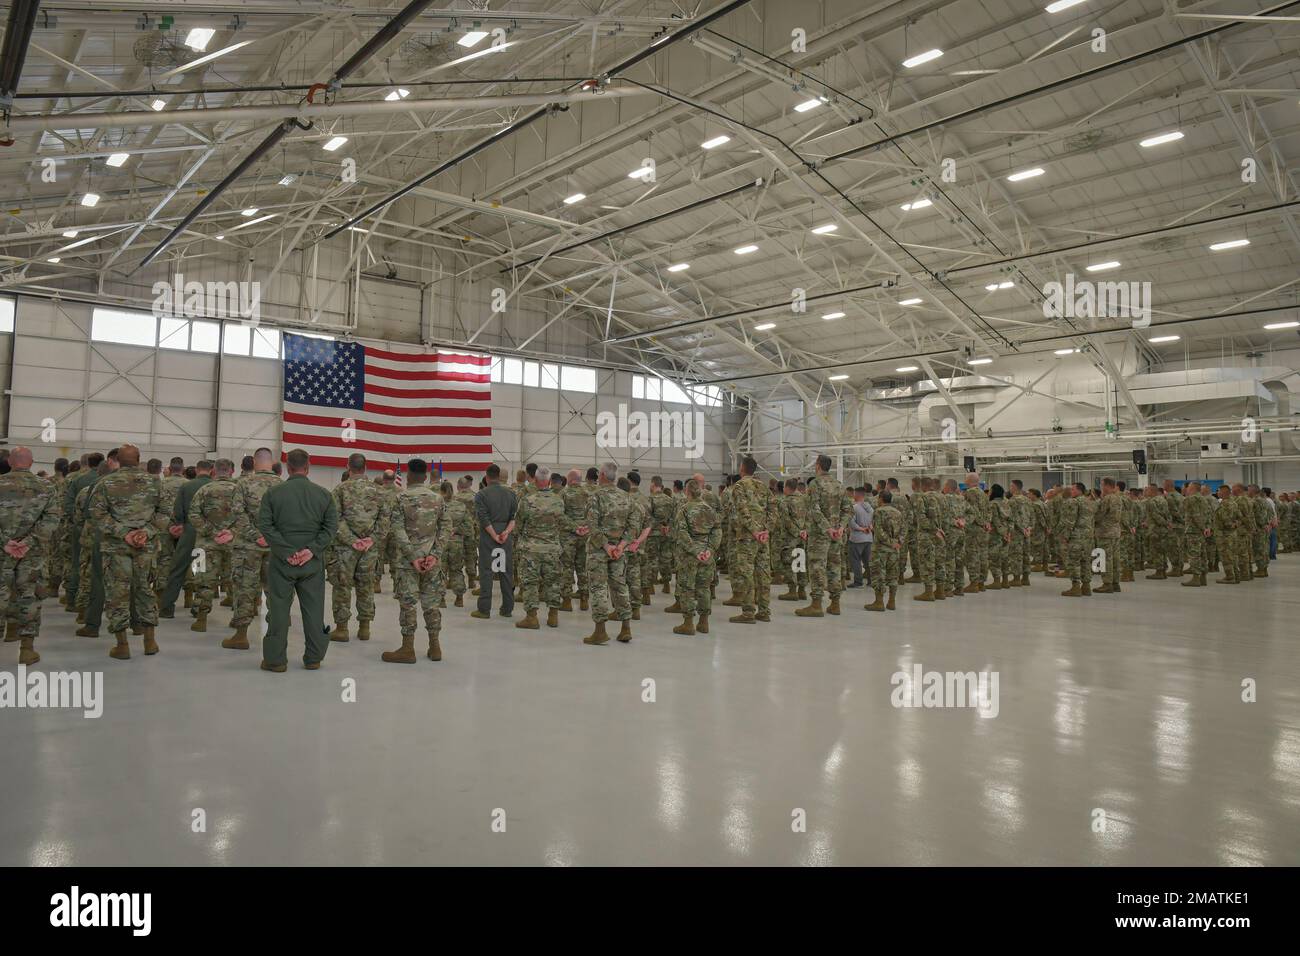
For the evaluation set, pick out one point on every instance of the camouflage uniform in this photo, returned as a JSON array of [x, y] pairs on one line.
[[825, 556], [249, 563], [460, 519], [387, 548], [978, 527], [1000, 540], [214, 509], [887, 546], [1130, 516], [30, 513], [609, 520], [751, 567], [84, 479], [1079, 558], [954, 532], [420, 525], [794, 515], [129, 499], [574, 558], [55, 554], [1263, 518], [904, 505], [714, 502], [914, 532], [171, 486], [1245, 534], [1174, 538], [1198, 517], [659, 555], [541, 525], [929, 511], [1107, 530], [363, 513], [1157, 528], [634, 559], [1039, 537], [695, 527], [1022, 519], [1227, 528], [469, 535]]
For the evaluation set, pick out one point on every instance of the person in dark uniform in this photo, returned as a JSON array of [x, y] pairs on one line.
[[298, 519], [495, 508], [184, 533]]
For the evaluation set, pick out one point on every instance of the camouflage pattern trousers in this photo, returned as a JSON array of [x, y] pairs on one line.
[[933, 559], [825, 565], [18, 582], [1017, 554], [214, 559], [607, 580], [634, 560], [795, 547], [1153, 549], [1194, 547], [1174, 549], [658, 566], [977, 555], [128, 587], [1235, 552], [1078, 559], [886, 566], [454, 565], [422, 590], [1038, 547], [955, 557], [1128, 555], [247, 577], [694, 580], [1261, 550], [998, 564], [751, 573], [540, 576], [574, 566], [353, 568], [1111, 560], [55, 558]]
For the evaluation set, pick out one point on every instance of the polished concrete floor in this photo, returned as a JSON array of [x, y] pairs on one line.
[[1129, 705]]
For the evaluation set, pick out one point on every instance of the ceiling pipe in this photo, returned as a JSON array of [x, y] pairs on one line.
[[18, 34], [662, 43]]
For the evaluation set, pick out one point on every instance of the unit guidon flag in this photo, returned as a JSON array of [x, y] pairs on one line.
[[345, 397]]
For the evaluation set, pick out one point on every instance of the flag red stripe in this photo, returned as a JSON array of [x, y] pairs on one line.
[[426, 412], [425, 357], [362, 424], [390, 448], [419, 375], [448, 467], [443, 393]]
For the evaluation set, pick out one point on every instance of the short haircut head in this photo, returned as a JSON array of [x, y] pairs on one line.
[[154, 467], [203, 464], [356, 463], [493, 471], [624, 484], [748, 465], [225, 467], [824, 462], [176, 464], [418, 466], [297, 460], [593, 473], [1017, 484], [609, 470], [61, 465], [542, 474], [128, 454], [886, 497], [635, 478], [656, 481], [531, 469], [692, 487]]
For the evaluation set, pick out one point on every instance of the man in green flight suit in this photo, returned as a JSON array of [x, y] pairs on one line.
[[183, 531], [298, 520]]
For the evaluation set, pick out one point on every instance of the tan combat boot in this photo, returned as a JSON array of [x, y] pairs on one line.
[[340, 633], [744, 617], [26, 653], [137, 630], [583, 603], [1024, 580], [926, 595], [529, 621], [404, 654], [733, 601], [553, 617], [687, 626], [763, 615], [1086, 591], [597, 635], [87, 631], [380, 590], [814, 609], [675, 607], [237, 641], [645, 595], [893, 592], [878, 604], [625, 632], [1074, 591], [636, 612], [1105, 589], [228, 600], [834, 606], [940, 592], [460, 600], [120, 651], [1126, 577], [274, 668], [803, 592], [668, 587], [434, 653], [791, 595], [200, 622], [972, 588], [11, 631], [150, 642], [363, 630], [1157, 576], [702, 625], [189, 597], [566, 604]]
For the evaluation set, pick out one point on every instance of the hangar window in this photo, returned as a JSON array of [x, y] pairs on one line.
[[124, 328]]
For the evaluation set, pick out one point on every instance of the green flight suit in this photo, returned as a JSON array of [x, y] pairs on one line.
[[182, 556]]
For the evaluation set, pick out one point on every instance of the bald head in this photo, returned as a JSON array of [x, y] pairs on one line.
[[20, 458], [972, 479], [128, 455]]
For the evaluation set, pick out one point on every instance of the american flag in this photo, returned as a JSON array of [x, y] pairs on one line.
[[431, 405]]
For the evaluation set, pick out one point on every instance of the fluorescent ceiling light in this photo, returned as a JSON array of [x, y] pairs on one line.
[[1102, 266], [90, 199], [254, 222], [1066, 351], [765, 326], [199, 38], [920, 58], [397, 94], [995, 286], [70, 234], [288, 179], [746, 250], [158, 104], [807, 105], [334, 143], [219, 237], [640, 171], [822, 230], [472, 38], [80, 242], [250, 211], [715, 142], [1060, 5], [1274, 326], [1164, 338], [54, 259], [478, 53], [1025, 174], [1230, 244], [910, 301], [833, 315], [906, 368], [118, 159], [576, 197], [838, 378], [358, 229], [1161, 139], [679, 267], [918, 204], [981, 361]]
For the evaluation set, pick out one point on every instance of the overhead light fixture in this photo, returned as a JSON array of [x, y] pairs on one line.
[[1025, 174], [979, 361], [679, 267], [918, 204], [118, 159], [576, 197], [158, 104], [1229, 244], [765, 326], [715, 142], [1164, 338], [90, 199], [995, 286], [199, 38], [334, 143], [70, 234], [823, 230], [906, 368], [746, 250], [1274, 326], [920, 58], [1102, 266], [1060, 5], [910, 301], [250, 211], [219, 236], [1161, 139], [1066, 351], [472, 38], [833, 315], [494, 48], [80, 242], [254, 222], [807, 105], [640, 171], [838, 378], [288, 179], [397, 94], [53, 259]]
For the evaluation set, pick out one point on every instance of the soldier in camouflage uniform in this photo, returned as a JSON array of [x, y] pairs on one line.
[[1130, 515], [1158, 527], [903, 504], [575, 496], [1211, 543], [751, 520], [90, 595], [979, 524], [1107, 532], [776, 542], [460, 518], [696, 534], [1019, 558], [827, 519], [659, 557], [127, 508], [886, 551], [183, 531], [363, 524], [710, 497], [420, 523], [927, 507], [1198, 525], [913, 536], [55, 549], [608, 527], [954, 533], [1000, 530], [1227, 535], [469, 532], [1078, 510], [251, 552], [172, 480], [213, 512], [541, 526], [88, 476], [1263, 525], [637, 591], [387, 549], [30, 514], [792, 513], [1038, 539]]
